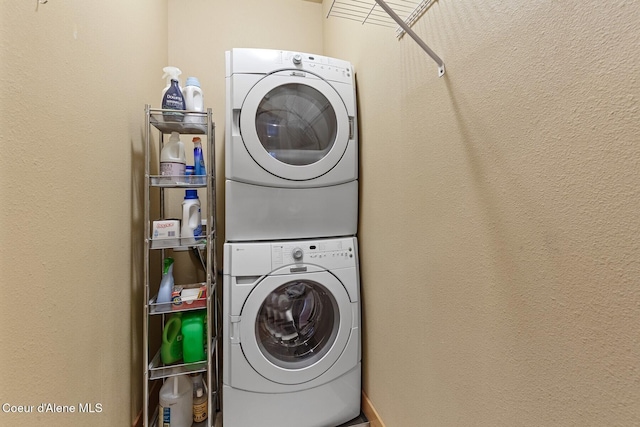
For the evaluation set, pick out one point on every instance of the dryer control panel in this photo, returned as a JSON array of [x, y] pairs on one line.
[[329, 254], [328, 68]]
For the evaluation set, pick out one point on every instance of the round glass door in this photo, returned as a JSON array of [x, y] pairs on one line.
[[296, 124], [296, 128], [294, 327], [297, 324]]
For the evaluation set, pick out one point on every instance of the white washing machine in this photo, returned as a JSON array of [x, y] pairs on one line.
[[291, 146], [291, 333]]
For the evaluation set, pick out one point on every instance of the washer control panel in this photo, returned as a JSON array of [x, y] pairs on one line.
[[333, 253]]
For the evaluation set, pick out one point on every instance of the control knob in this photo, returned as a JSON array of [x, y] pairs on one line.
[[297, 59], [297, 254]]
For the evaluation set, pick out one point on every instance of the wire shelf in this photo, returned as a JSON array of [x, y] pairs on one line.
[[398, 14], [370, 12]]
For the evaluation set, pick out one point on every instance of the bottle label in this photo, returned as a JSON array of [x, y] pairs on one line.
[[164, 417], [200, 411], [172, 169], [173, 100]]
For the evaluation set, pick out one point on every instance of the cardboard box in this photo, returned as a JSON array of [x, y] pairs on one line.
[[186, 297], [165, 233]]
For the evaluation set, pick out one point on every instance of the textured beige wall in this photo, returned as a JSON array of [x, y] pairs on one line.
[[500, 225], [200, 32], [74, 78]]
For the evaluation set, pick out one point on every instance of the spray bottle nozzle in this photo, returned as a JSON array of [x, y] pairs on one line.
[[171, 72], [168, 262]]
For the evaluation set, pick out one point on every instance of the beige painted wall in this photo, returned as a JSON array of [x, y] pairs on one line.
[[75, 76], [499, 225], [198, 49], [499, 285]]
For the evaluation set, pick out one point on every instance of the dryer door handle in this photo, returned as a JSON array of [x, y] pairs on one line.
[[298, 269], [235, 123]]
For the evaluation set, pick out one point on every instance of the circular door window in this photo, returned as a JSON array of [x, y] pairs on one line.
[[296, 128], [297, 324], [296, 124]]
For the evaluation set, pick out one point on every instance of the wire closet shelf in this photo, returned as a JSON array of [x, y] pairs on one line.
[[398, 14]]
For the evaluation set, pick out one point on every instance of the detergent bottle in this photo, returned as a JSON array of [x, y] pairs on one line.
[[176, 402], [172, 98], [166, 286], [193, 98], [173, 160], [191, 218], [171, 348], [193, 332]]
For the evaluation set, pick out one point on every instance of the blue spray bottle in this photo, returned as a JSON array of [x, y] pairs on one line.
[[200, 171]]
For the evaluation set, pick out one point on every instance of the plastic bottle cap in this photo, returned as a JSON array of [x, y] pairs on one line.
[[192, 81], [191, 194], [199, 393], [196, 140], [175, 136]]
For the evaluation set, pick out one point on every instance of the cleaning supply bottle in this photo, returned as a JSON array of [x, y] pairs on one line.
[[200, 171], [173, 160], [191, 218], [172, 98], [171, 348], [193, 100], [166, 286], [200, 406], [193, 332], [198, 382], [176, 402]]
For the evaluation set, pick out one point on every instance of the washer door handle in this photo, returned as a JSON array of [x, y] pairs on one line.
[[234, 333], [298, 269]]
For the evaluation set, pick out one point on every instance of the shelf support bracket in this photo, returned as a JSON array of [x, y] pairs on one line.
[[413, 35]]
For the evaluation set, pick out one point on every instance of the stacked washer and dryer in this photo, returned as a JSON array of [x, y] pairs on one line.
[[291, 285]]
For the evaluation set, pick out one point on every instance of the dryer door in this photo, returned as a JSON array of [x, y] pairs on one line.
[[295, 125], [293, 328]]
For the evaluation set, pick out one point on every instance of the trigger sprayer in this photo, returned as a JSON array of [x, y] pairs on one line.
[[172, 98]]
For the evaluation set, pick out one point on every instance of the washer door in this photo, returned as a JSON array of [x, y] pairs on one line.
[[295, 125], [294, 327]]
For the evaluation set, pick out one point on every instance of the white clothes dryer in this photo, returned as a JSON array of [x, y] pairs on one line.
[[291, 152], [291, 333]]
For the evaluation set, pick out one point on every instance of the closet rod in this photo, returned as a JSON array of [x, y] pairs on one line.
[[413, 35]]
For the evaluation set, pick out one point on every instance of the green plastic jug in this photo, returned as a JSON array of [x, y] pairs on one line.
[[193, 332], [171, 349]]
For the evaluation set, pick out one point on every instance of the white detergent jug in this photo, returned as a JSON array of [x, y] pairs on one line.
[[191, 218], [193, 100], [176, 402], [173, 160]]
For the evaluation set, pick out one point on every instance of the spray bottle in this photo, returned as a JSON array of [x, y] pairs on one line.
[[166, 286], [172, 98], [200, 171]]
